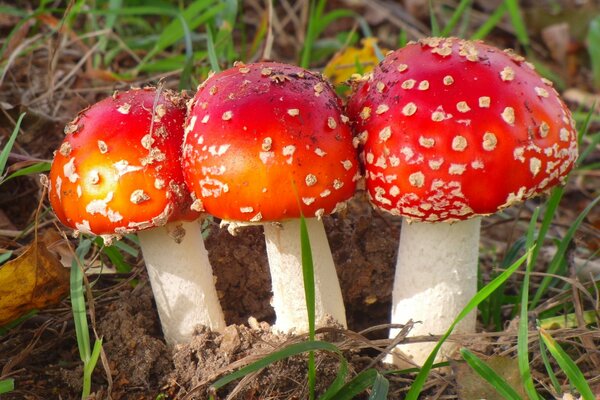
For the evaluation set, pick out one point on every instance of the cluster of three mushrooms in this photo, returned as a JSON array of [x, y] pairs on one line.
[[449, 130], [262, 143]]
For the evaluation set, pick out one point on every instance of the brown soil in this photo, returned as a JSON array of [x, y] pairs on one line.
[[363, 243], [41, 353]]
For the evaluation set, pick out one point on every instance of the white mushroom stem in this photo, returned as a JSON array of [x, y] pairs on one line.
[[285, 262], [436, 276], [182, 280]]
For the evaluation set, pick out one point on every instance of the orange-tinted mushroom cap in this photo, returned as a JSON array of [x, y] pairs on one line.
[[118, 169], [450, 129], [265, 140]]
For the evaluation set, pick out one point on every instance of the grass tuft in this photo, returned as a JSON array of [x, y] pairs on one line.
[[88, 356]]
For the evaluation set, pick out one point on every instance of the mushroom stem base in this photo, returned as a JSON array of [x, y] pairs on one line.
[[181, 279], [285, 262], [436, 276]]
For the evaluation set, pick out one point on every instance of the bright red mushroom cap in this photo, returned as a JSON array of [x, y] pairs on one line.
[[264, 140], [118, 169], [452, 129]]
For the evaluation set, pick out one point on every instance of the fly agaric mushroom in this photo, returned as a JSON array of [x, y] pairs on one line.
[[118, 171], [452, 130], [263, 143]]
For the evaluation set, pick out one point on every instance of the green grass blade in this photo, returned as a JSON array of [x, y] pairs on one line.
[[74, 10], [318, 22], [583, 130], [402, 39], [589, 149], [309, 37], [485, 292], [551, 207], [9, 145], [523, 330], [593, 48], [590, 167], [549, 370], [116, 258], [184, 21], [569, 367], [269, 359], [380, 389], [456, 16], [88, 368], [331, 17], [96, 352], [357, 385], [185, 79], [186, 73], [435, 26], [7, 385], [491, 310], [14, 11], [4, 257], [560, 252], [568, 321], [36, 168], [580, 116], [123, 246], [490, 376], [338, 382], [78, 302], [136, 11], [226, 21], [308, 274], [212, 52], [109, 23], [171, 63], [492, 21], [516, 19], [111, 19]]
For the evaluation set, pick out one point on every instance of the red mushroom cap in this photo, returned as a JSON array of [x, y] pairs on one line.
[[264, 140], [118, 169], [451, 129]]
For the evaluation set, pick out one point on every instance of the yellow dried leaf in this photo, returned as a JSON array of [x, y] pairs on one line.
[[34, 280], [352, 60]]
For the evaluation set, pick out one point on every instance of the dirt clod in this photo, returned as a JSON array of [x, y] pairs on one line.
[[210, 356], [136, 356]]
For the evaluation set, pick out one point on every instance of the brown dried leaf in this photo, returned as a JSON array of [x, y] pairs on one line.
[[582, 98], [556, 38], [472, 387], [34, 280]]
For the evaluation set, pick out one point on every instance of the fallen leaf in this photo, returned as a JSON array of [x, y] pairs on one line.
[[352, 60], [34, 280], [582, 98], [557, 40], [472, 387]]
